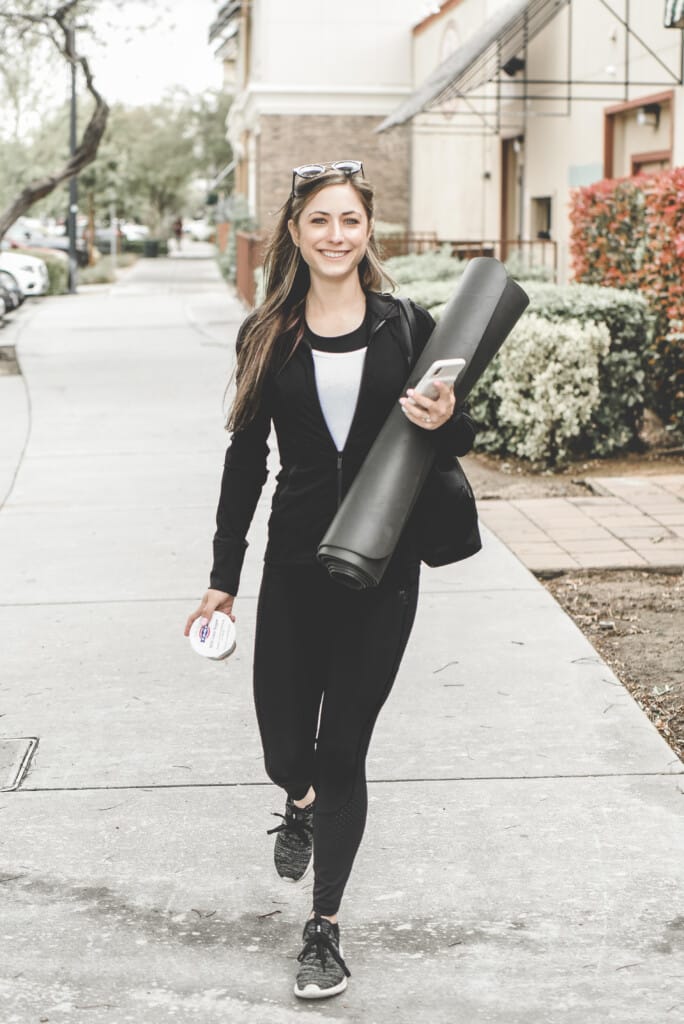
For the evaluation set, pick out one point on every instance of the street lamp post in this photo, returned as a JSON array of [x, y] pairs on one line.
[[73, 183]]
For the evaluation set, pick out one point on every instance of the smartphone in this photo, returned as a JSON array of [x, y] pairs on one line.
[[446, 370]]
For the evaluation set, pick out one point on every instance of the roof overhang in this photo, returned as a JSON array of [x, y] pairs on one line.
[[503, 36], [221, 26]]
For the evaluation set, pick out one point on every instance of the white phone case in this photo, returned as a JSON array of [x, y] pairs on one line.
[[446, 370]]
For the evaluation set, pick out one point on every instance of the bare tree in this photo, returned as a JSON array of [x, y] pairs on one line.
[[40, 20]]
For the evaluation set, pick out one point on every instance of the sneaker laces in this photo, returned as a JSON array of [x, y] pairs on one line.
[[320, 942], [293, 822]]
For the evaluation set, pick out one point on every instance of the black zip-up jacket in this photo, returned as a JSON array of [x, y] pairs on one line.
[[314, 476]]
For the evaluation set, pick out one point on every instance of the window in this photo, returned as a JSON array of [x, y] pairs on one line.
[[540, 217]]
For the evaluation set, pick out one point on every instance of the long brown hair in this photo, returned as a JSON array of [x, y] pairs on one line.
[[277, 325]]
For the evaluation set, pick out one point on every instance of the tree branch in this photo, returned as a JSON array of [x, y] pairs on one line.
[[86, 151]]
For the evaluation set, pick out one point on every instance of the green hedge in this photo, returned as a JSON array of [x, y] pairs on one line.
[[137, 245], [618, 418], [437, 265], [240, 219], [538, 397], [430, 294], [104, 271], [602, 427], [57, 267]]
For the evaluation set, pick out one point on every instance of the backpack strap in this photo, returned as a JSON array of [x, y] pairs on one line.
[[408, 330]]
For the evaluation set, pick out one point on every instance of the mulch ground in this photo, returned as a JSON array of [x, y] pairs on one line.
[[635, 620]]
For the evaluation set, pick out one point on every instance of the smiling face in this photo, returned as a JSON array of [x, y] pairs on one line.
[[332, 232]]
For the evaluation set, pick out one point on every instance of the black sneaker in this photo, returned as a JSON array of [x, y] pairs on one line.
[[293, 850], [323, 972]]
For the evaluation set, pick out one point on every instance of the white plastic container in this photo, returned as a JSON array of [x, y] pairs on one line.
[[214, 639]]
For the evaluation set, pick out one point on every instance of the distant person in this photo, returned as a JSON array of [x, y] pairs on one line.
[[178, 231], [322, 359]]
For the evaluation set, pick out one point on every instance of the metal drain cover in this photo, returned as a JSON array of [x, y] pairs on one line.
[[15, 758]]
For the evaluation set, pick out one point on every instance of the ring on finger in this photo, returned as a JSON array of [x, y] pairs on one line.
[[427, 419]]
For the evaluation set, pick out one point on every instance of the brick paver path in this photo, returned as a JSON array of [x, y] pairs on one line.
[[633, 522]]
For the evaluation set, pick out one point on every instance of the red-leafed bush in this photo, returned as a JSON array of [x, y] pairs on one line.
[[630, 234]]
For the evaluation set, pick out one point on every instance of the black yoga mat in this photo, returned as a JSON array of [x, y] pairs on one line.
[[474, 325]]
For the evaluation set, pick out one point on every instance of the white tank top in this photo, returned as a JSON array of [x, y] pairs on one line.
[[338, 378]]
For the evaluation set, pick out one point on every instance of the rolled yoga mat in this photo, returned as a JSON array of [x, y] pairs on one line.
[[474, 325]]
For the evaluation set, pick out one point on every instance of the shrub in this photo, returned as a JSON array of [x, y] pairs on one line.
[[519, 268], [57, 264], [437, 265], [429, 293], [631, 233], [662, 280], [224, 264], [259, 294], [103, 272], [137, 245], [237, 212], [607, 232], [618, 419], [58, 274], [539, 395]]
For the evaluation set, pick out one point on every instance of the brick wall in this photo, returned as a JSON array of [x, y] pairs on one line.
[[289, 140]]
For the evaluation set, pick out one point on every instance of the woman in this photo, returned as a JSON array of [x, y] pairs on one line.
[[323, 358]]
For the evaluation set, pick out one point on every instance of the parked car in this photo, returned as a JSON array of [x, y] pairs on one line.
[[200, 230], [5, 300], [103, 240], [24, 234], [11, 286], [29, 272], [134, 232]]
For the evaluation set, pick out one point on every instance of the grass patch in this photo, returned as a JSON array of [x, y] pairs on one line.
[[103, 272]]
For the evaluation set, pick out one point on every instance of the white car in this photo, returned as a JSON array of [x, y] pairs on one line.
[[30, 272], [134, 232], [199, 230]]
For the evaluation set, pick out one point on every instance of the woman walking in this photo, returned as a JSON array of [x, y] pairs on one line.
[[323, 359]]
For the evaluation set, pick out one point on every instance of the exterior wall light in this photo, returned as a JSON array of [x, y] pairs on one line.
[[649, 115]]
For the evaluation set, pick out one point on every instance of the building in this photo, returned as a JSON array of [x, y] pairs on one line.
[[311, 82], [515, 102]]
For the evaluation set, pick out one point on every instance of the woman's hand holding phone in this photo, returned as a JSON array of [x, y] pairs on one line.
[[429, 413]]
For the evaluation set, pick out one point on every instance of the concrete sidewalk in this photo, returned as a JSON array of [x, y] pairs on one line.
[[523, 857], [631, 522]]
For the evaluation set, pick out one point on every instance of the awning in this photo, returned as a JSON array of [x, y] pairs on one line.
[[223, 18], [224, 173], [478, 61], [674, 14]]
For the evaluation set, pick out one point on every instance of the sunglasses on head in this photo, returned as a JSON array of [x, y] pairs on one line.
[[308, 171]]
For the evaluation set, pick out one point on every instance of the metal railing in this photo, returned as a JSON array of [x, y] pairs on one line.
[[532, 254], [538, 254], [407, 242]]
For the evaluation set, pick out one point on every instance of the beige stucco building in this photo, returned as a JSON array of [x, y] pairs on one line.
[[475, 118], [517, 101], [312, 80]]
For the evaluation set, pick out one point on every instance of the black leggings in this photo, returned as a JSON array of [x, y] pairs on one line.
[[323, 648]]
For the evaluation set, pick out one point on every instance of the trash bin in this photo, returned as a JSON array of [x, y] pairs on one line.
[[151, 247]]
